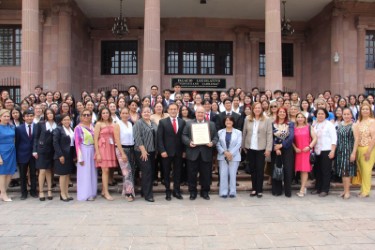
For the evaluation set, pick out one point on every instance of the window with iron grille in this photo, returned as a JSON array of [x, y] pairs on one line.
[[198, 58], [370, 49], [14, 92], [119, 57], [10, 45], [286, 58]]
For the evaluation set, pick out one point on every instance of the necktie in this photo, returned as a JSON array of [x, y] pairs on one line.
[[152, 101], [29, 131], [207, 117], [174, 125]]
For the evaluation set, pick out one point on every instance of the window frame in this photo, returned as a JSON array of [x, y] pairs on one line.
[[370, 49], [16, 40], [216, 58], [262, 59], [110, 46]]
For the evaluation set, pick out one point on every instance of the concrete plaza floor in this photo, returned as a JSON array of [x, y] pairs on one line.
[[240, 223]]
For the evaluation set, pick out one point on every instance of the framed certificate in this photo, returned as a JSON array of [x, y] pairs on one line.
[[200, 133]]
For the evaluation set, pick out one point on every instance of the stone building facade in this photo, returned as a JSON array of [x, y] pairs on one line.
[[65, 45]]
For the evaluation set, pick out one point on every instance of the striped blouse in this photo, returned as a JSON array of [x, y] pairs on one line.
[[145, 135]]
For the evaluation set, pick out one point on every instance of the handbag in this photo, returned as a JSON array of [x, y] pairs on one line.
[[278, 170], [312, 153]]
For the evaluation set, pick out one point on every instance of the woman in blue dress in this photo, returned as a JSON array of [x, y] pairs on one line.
[[7, 153]]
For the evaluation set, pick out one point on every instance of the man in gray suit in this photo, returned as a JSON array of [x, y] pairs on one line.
[[199, 157]]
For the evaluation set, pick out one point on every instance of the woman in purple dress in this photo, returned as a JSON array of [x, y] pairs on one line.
[[87, 177]]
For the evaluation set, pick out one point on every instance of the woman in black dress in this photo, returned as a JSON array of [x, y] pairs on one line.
[[43, 152], [63, 143]]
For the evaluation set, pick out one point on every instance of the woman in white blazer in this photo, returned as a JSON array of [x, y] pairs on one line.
[[229, 157]]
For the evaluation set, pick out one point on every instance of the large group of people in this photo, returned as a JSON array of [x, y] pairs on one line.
[[286, 136]]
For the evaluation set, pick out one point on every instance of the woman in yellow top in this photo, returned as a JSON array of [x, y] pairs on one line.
[[366, 141]]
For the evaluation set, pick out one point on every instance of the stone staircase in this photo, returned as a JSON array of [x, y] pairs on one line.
[[243, 182]]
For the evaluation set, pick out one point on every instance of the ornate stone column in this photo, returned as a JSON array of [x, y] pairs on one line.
[[361, 61], [30, 47], [337, 68], [254, 62], [241, 63], [42, 20], [274, 77], [64, 53], [151, 49]]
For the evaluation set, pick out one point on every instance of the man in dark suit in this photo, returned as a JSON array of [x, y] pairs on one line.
[[199, 157], [152, 97], [208, 115], [24, 151], [166, 98], [228, 111], [170, 146], [132, 90]]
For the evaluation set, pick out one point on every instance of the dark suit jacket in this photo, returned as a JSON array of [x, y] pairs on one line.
[[238, 122], [165, 105], [206, 152], [213, 117], [61, 143], [24, 144], [167, 140], [43, 139]]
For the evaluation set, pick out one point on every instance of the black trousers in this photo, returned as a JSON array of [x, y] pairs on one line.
[[204, 169], [23, 167], [147, 169], [167, 167], [158, 167], [323, 171], [257, 161], [287, 160]]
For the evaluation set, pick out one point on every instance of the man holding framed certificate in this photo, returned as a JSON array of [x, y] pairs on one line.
[[199, 137]]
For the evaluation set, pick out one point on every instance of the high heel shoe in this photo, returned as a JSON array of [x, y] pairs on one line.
[[108, 198], [346, 196], [7, 199], [42, 198], [49, 197], [253, 193], [62, 199]]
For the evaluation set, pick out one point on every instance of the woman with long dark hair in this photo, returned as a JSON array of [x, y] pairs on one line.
[[105, 148], [282, 154], [43, 152]]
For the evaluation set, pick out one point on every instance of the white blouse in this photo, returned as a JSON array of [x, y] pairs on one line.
[[327, 136], [70, 133], [126, 133]]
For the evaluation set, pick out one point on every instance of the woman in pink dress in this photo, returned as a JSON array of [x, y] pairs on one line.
[[304, 140], [105, 157]]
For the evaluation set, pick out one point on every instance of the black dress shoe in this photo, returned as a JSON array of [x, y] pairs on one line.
[[150, 200], [168, 197], [177, 195], [232, 196], [23, 197], [253, 193], [70, 198], [205, 196], [34, 195], [193, 196], [260, 195]]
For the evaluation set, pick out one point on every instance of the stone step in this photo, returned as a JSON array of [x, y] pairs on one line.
[[243, 185]]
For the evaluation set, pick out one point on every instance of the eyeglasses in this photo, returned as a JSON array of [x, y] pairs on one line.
[[86, 115]]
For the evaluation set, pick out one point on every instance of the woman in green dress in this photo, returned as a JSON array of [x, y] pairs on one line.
[[346, 149]]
